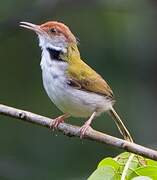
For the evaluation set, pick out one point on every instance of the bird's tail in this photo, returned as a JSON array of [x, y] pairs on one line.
[[123, 130]]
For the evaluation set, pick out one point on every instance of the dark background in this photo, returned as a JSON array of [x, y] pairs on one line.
[[119, 40]]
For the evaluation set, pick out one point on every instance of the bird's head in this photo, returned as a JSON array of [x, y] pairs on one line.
[[52, 34]]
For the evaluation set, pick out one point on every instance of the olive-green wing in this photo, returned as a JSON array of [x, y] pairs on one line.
[[82, 77]]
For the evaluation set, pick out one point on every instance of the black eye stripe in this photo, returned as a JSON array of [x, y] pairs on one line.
[[55, 54]]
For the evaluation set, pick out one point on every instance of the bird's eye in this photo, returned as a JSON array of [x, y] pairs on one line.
[[53, 30]]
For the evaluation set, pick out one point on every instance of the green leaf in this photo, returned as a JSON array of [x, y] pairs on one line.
[[150, 171], [109, 162], [122, 159], [142, 178], [104, 173], [151, 162], [139, 169]]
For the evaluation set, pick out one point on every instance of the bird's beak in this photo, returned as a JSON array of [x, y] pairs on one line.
[[33, 27]]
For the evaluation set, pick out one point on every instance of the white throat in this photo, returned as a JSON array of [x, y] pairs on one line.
[[56, 43], [51, 63]]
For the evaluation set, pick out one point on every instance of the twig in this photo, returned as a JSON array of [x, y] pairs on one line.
[[71, 130]]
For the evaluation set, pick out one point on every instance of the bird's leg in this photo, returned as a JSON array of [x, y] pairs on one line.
[[86, 125], [55, 122]]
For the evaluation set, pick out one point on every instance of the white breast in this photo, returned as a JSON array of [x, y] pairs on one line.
[[69, 100]]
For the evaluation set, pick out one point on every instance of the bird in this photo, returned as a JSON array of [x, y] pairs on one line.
[[72, 85]]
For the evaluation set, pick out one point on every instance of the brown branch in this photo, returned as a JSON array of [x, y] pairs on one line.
[[71, 130]]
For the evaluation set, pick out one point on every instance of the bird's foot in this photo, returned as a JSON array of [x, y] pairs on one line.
[[83, 130], [55, 122], [86, 125]]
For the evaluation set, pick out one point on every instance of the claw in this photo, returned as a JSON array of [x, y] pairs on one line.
[[55, 122], [86, 126], [83, 130]]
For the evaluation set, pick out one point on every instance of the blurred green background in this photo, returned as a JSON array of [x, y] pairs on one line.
[[118, 39]]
